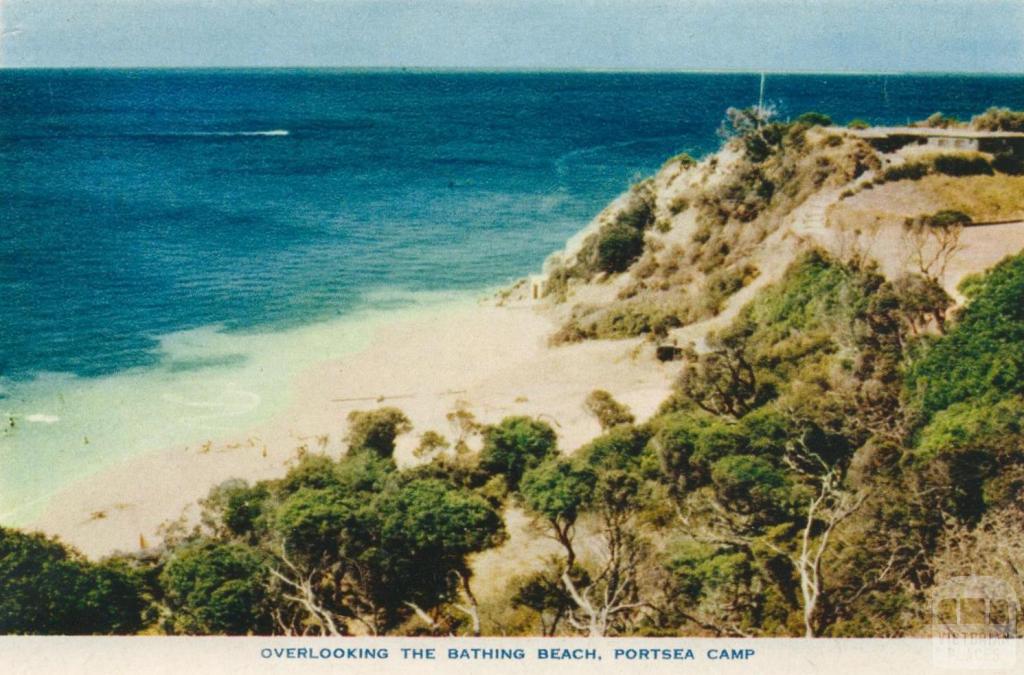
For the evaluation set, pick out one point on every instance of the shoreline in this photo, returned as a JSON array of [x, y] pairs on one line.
[[207, 384], [493, 360]]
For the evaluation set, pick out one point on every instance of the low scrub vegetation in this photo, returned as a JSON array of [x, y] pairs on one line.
[[780, 164], [999, 119], [951, 164]]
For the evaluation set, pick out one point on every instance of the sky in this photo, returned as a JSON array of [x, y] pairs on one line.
[[691, 35]]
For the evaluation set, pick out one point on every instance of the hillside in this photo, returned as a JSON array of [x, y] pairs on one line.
[[697, 240]]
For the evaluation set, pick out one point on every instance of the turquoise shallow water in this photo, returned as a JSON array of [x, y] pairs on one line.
[[176, 245], [207, 383]]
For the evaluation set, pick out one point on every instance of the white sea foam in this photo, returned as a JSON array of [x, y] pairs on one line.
[[268, 132], [216, 134], [42, 418]]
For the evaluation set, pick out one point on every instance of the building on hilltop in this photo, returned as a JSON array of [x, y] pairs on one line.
[[890, 139]]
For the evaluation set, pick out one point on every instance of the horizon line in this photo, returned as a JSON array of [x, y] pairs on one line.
[[522, 70]]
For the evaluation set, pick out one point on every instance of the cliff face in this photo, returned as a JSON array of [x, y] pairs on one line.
[[682, 251]]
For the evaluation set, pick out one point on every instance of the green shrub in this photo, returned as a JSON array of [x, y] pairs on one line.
[[683, 159], [961, 165], [622, 320], [235, 508], [617, 246], [999, 119], [312, 520], [751, 485], [48, 589], [938, 121], [722, 284], [814, 119], [947, 218], [424, 532], [620, 448], [1008, 164], [997, 429], [216, 588], [679, 204], [905, 171], [515, 445], [431, 442], [376, 430], [858, 124], [675, 440], [638, 213], [609, 412], [700, 570], [702, 234], [558, 489]]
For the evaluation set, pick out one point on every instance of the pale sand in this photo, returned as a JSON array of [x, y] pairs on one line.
[[496, 359]]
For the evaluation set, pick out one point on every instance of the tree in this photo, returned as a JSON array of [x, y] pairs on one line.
[[515, 445], [721, 382], [236, 509], [427, 529], [922, 300], [214, 588], [751, 486], [677, 441], [371, 557], [376, 430], [754, 128], [934, 240], [558, 491], [825, 511], [464, 425], [981, 446], [624, 447], [545, 592], [612, 602], [607, 410], [49, 589]]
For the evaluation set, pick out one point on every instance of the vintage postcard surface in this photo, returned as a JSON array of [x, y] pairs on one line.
[[577, 336]]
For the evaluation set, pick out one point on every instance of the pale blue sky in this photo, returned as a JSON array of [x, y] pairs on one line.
[[720, 35]]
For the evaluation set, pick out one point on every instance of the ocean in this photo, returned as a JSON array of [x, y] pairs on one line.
[[176, 245]]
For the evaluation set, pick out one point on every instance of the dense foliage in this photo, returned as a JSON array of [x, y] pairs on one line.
[[52, 590], [982, 357]]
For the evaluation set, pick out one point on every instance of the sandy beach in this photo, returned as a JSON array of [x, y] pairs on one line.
[[492, 360]]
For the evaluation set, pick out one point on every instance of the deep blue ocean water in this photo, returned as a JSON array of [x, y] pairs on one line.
[[176, 245], [138, 203]]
